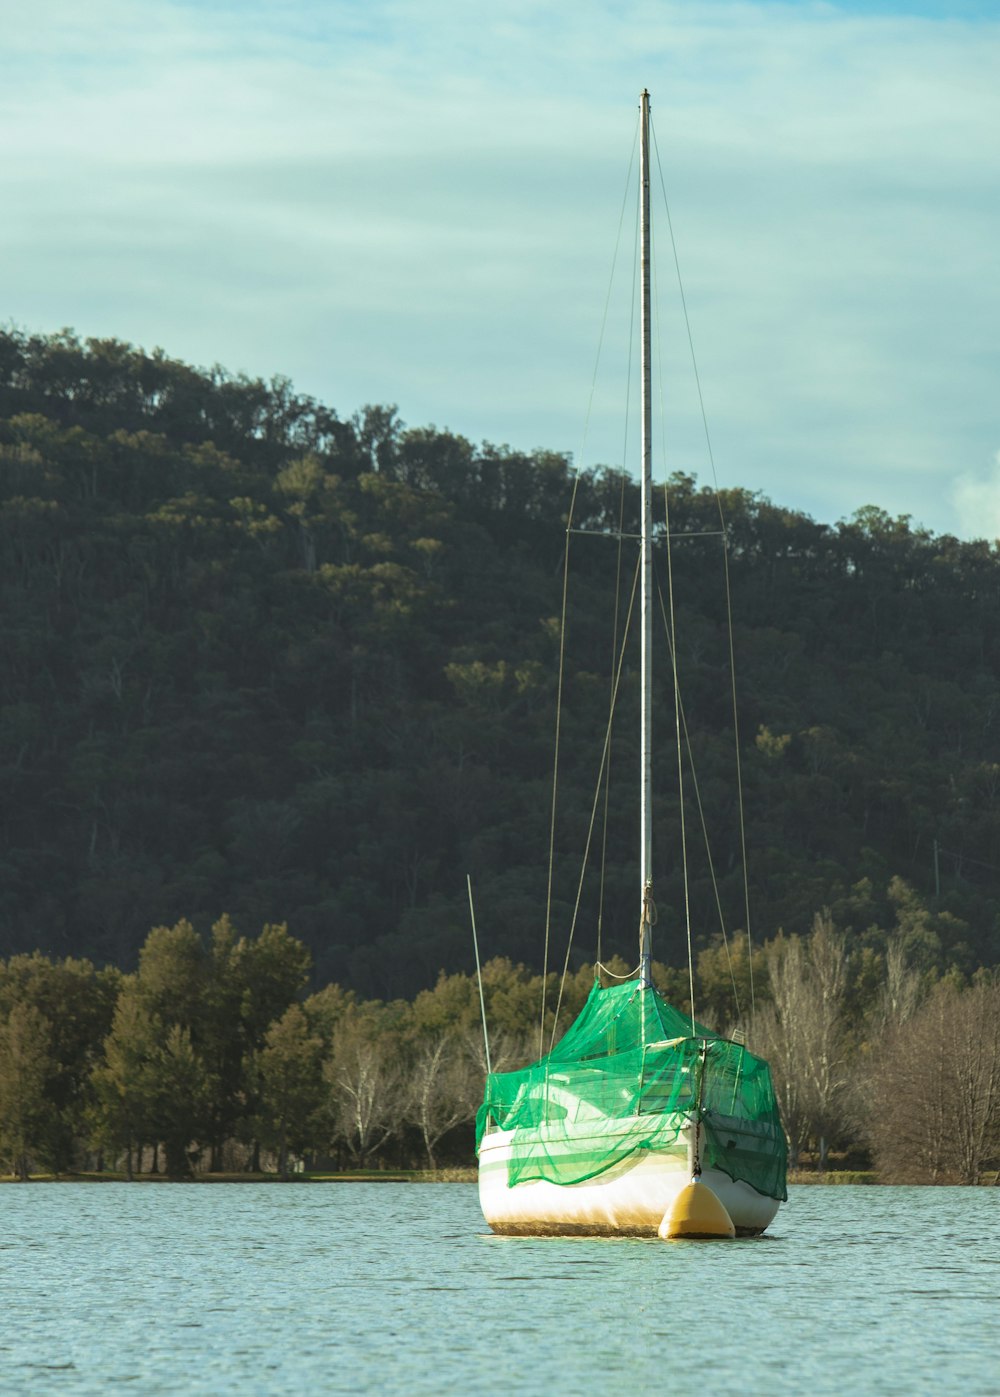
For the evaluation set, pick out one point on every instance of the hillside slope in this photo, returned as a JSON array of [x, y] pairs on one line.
[[265, 661]]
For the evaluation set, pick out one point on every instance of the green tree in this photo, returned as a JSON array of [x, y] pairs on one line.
[[268, 972], [223, 1038], [27, 1068], [326, 1008], [292, 1090], [182, 1093], [124, 1082], [172, 974], [726, 987], [77, 1002]]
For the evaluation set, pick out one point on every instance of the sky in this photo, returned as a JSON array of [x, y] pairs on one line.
[[418, 202]]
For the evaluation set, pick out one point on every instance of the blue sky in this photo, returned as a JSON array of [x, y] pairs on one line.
[[416, 201]]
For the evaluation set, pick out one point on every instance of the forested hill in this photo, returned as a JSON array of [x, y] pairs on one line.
[[265, 661]]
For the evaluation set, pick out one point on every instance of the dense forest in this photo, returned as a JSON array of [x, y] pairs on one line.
[[267, 662]]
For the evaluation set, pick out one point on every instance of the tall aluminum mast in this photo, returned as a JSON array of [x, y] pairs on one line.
[[646, 569]]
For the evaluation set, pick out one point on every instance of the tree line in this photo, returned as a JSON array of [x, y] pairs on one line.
[[263, 657], [212, 1057]]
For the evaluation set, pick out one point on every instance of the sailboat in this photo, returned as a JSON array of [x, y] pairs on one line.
[[638, 1102]]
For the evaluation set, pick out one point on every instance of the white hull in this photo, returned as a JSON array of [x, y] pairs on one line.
[[628, 1200]]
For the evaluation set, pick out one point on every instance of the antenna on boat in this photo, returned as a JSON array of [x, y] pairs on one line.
[[479, 975], [646, 568]]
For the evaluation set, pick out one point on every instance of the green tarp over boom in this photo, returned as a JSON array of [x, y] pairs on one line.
[[626, 1077]]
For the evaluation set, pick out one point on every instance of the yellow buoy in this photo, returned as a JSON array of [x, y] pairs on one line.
[[696, 1212]]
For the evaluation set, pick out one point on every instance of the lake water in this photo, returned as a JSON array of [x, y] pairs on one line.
[[399, 1288]]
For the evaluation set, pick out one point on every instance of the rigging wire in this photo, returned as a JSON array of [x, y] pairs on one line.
[[703, 820], [555, 765], [670, 627], [613, 974], [593, 809], [562, 621], [729, 608], [672, 634], [607, 766], [621, 527], [607, 303], [479, 976], [612, 533], [739, 765], [966, 858], [620, 534]]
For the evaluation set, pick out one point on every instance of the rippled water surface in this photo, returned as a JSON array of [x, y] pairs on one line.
[[399, 1288]]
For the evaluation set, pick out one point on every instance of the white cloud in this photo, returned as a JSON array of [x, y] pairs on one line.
[[416, 202], [977, 502]]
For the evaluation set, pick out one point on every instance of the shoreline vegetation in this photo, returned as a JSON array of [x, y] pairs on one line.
[[458, 1175], [303, 668], [213, 1060], [463, 1175]]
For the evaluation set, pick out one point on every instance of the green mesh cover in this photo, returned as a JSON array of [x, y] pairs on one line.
[[627, 1076]]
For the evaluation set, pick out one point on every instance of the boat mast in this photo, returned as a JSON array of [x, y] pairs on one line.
[[646, 569]]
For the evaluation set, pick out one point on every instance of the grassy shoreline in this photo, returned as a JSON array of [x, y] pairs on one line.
[[356, 1176], [833, 1176], [456, 1175], [463, 1175]]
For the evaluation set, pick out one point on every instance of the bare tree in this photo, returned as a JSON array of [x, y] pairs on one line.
[[366, 1083], [442, 1090], [826, 1045], [894, 1004], [977, 1068], [508, 1050], [934, 1089], [803, 1035], [901, 992], [773, 1035]]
